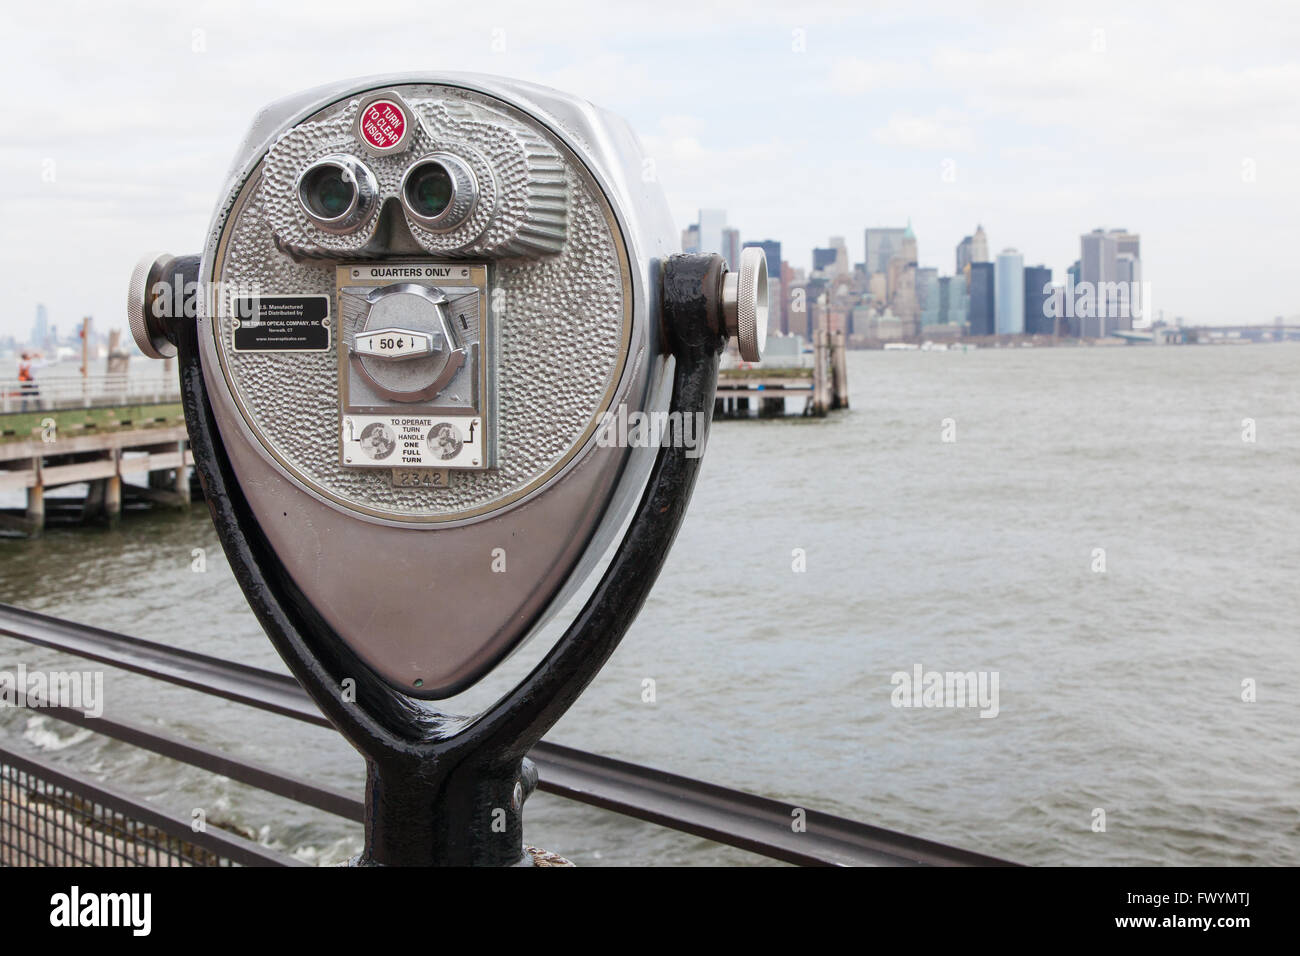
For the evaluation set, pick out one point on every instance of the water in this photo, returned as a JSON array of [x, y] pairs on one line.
[[1118, 690]]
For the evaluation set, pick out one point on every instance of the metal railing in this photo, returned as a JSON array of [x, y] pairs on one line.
[[49, 818], [50, 393], [731, 817]]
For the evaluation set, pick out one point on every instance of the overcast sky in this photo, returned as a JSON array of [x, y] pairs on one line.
[[1041, 121]]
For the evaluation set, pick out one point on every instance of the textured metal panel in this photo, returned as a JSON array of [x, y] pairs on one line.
[[521, 177], [562, 321]]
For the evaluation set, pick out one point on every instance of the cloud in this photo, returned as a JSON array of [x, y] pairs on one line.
[[1051, 135], [854, 76], [944, 130]]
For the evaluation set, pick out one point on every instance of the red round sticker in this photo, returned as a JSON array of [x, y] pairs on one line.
[[383, 124]]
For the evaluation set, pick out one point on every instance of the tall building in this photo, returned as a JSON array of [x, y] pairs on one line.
[[1127, 242], [860, 320], [823, 259], [1065, 325], [772, 252], [901, 284], [981, 299], [878, 290], [800, 291], [814, 293], [928, 296], [882, 245], [731, 246], [41, 327], [1096, 266], [1128, 272], [796, 308], [1038, 282], [789, 278], [896, 269], [711, 224], [1099, 268], [908, 250], [776, 320], [963, 254], [1128, 268], [841, 266], [971, 249], [1105, 260], [954, 300], [1097, 256], [691, 240], [1009, 293]]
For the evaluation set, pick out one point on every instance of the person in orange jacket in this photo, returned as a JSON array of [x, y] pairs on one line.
[[27, 387]]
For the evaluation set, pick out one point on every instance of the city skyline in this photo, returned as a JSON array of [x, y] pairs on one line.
[[1180, 118], [986, 295], [889, 296]]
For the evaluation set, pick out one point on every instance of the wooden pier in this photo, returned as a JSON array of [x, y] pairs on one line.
[[823, 387], [149, 440], [97, 431]]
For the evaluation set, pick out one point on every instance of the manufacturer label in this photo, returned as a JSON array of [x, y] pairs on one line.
[[282, 323]]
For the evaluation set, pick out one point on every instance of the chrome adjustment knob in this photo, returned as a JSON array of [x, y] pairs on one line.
[[744, 304], [147, 327]]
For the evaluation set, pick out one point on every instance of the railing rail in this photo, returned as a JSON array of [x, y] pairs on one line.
[[732, 817], [50, 392]]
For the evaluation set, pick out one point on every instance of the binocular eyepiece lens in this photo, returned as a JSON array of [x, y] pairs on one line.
[[328, 191], [440, 191], [338, 192], [429, 189]]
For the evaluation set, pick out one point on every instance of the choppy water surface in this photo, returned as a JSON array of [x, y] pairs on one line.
[[1118, 690]]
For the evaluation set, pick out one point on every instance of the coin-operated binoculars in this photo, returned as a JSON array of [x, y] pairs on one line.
[[426, 312]]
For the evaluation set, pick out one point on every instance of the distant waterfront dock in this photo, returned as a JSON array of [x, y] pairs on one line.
[[823, 386], [94, 431]]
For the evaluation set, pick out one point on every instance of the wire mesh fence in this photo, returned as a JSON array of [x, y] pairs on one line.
[[47, 819]]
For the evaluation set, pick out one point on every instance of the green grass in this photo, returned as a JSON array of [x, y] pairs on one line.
[[20, 426], [746, 373]]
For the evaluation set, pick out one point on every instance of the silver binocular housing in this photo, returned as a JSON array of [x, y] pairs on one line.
[[424, 299]]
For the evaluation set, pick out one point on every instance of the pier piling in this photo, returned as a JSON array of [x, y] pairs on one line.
[[35, 518], [821, 371], [839, 371], [150, 442], [746, 390], [113, 499]]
